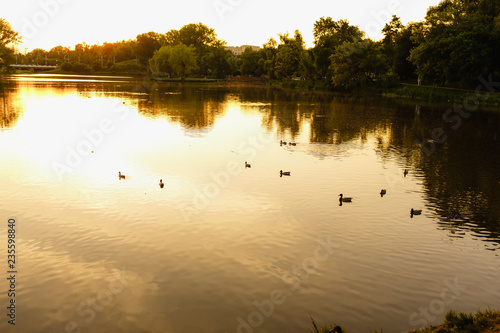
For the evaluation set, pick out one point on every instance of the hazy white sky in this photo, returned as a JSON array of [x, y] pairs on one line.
[[48, 23]]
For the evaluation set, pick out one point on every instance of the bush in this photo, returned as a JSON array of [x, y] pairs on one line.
[[129, 66], [75, 67], [96, 65]]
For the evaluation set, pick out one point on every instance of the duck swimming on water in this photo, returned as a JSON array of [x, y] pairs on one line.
[[120, 176], [161, 183], [286, 173], [344, 199], [415, 212]]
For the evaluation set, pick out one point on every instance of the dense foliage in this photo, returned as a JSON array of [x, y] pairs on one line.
[[458, 41]]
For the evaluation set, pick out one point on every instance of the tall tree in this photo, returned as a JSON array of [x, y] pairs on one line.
[[217, 62], [8, 38], [288, 56], [457, 42], [160, 62], [178, 59], [183, 60], [269, 49], [201, 37], [147, 44], [404, 43], [250, 64], [354, 64], [328, 35]]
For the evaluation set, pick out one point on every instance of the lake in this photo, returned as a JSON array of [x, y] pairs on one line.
[[223, 247]]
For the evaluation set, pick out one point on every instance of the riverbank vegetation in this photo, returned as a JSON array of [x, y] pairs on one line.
[[486, 321], [456, 45]]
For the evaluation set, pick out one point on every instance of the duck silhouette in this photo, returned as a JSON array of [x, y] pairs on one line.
[[247, 165], [415, 212], [284, 173], [120, 176], [161, 183], [383, 192], [344, 199]]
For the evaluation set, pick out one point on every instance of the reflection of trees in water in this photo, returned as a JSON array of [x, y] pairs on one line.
[[462, 178], [347, 118], [461, 174], [193, 107], [10, 104]]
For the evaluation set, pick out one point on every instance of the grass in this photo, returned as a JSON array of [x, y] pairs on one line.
[[187, 79], [487, 321], [425, 93], [326, 329]]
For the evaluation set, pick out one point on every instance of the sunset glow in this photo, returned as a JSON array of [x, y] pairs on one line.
[[48, 23]]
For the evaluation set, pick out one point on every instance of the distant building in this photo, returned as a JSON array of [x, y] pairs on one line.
[[238, 50]]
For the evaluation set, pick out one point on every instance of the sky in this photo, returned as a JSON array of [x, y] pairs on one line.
[[48, 23]]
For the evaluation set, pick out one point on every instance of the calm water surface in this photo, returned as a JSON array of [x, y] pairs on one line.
[[224, 248]]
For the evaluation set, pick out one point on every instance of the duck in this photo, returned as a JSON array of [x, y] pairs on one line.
[[292, 143], [344, 199], [161, 183], [282, 142], [415, 212], [120, 176], [247, 165], [405, 173], [286, 173], [383, 192]]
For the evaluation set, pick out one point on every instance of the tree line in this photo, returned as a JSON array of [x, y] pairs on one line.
[[458, 41]]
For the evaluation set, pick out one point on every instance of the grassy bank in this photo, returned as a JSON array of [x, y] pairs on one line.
[[486, 321], [187, 79], [441, 94]]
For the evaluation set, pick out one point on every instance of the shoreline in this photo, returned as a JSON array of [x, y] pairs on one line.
[[402, 92], [486, 321]]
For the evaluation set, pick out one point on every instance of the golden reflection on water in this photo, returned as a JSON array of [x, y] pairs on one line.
[[219, 236]]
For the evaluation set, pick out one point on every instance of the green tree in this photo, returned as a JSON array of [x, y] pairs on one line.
[[250, 62], [178, 59], [160, 62], [200, 36], [183, 60], [397, 45], [270, 51], [457, 42], [146, 44], [8, 38], [217, 62], [288, 56], [354, 64], [328, 35], [404, 43]]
